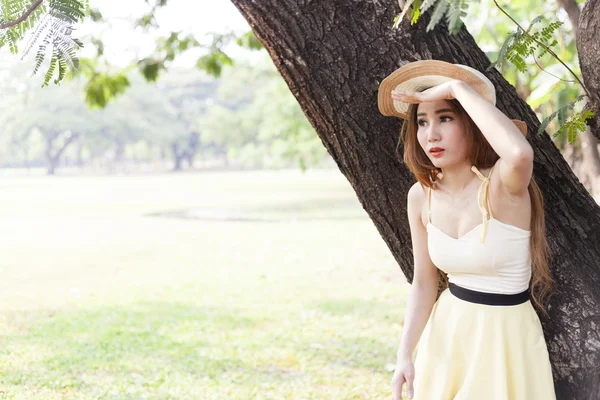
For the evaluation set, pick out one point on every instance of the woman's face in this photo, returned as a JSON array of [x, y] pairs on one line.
[[438, 126]]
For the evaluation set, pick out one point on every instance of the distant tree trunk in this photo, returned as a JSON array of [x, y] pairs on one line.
[[52, 165], [192, 148], [53, 155], [119, 150], [178, 156], [185, 149], [79, 160], [333, 55]]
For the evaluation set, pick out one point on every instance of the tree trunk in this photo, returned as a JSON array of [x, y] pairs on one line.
[[591, 162], [333, 55], [588, 171], [53, 157], [52, 165], [80, 145], [51, 162], [192, 148], [588, 49], [177, 156]]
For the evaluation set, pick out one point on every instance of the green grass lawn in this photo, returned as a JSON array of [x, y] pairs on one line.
[[221, 285]]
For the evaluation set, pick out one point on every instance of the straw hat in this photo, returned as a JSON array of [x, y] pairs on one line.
[[419, 75]]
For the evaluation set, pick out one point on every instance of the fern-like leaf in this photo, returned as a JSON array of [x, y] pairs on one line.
[[512, 38], [53, 21], [39, 58], [578, 124], [62, 70], [456, 10], [427, 4], [438, 13], [42, 26], [521, 45], [12, 42], [544, 124], [50, 71]]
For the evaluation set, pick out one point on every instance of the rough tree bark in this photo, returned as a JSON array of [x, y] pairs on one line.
[[588, 49], [333, 55]]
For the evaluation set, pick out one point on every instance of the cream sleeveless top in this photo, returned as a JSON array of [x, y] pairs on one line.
[[492, 257]]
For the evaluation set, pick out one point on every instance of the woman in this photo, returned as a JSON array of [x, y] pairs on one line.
[[477, 227]]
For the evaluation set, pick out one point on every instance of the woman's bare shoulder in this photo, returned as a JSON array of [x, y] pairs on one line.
[[416, 200], [417, 192]]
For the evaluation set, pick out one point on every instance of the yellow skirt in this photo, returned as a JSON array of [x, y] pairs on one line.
[[474, 351]]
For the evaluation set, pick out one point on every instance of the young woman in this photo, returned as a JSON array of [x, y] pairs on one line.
[[477, 226]]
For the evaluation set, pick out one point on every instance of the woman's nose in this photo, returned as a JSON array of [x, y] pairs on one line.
[[433, 134]]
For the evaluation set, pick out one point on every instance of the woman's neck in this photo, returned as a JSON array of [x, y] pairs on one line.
[[456, 179]]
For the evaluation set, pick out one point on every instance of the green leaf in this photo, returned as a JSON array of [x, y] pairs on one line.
[[416, 12], [50, 71], [104, 87], [214, 62], [249, 41], [150, 69]]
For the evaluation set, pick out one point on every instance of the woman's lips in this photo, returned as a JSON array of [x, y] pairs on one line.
[[437, 153]]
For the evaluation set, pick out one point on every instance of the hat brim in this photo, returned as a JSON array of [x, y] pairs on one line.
[[422, 74]]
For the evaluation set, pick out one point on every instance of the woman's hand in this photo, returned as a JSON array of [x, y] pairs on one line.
[[443, 91], [405, 372]]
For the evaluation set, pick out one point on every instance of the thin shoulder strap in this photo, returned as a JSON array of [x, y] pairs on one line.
[[429, 204], [487, 193], [483, 191]]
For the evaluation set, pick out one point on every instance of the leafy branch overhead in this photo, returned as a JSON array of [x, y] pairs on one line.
[[519, 45], [50, 24], [50, 21], [103, 87]]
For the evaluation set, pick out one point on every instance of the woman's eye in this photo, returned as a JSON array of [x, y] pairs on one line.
[[442, 117]]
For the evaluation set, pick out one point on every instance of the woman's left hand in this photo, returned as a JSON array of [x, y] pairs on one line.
[[443, 91]]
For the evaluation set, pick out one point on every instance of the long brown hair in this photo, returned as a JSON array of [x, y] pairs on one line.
[[482, 155]]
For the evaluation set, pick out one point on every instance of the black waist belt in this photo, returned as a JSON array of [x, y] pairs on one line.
[[492, 299]]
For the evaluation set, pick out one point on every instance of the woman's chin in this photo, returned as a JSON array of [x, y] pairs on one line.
[[437, 162], [441, 159]]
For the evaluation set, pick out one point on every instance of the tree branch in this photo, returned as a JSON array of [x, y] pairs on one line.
[[22, 17], [594, 106]]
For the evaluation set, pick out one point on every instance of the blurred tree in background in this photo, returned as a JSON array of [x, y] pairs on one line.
[[242, 117], [183, 118], [256, 121]]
